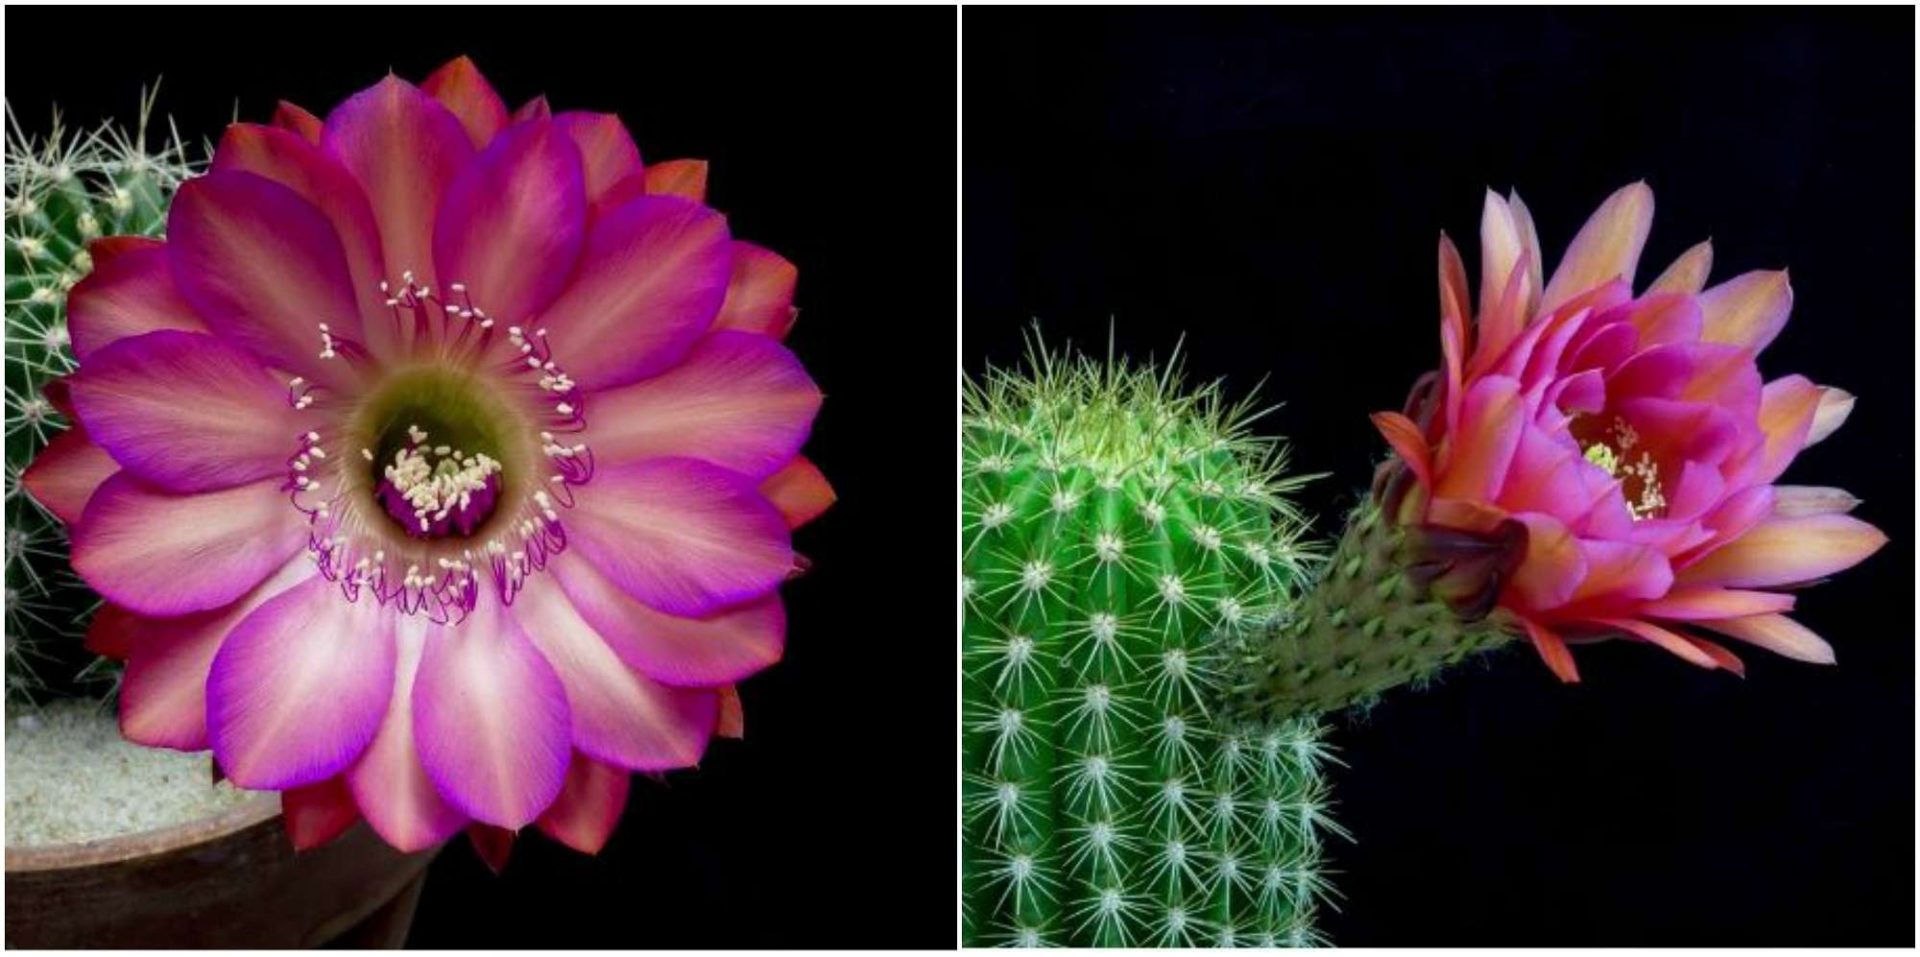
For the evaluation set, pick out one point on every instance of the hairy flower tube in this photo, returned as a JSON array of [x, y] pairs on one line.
[[439, 467], [1587, 463]]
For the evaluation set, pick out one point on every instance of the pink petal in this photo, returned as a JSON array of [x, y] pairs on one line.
[[163, 691], [589, 807], [733, 719], [685, 178], [534, 109], [1474, 466], [513, 222], [300, 686], [388, 782], [1778, 634], [1785, 551], [490, 719], [1697, 602], [760, 294], [264, 269], [739, 400], [1606, 248], [1661, 319], [1622, 570], [799, 491], [697, 652], [459, 87], [161, 554], [404, 148], [65, 474], [1553, 651], [1748, 310], [1790, 501], [618, 716], [127, 294], [317, 813], [681, 535], [295, 119], [1835, 406], [1688, 274], [651, 279], [606, 150], [186, 412], [1553, 567]]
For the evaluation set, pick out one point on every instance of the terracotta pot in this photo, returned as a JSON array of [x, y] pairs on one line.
[[231, 880]]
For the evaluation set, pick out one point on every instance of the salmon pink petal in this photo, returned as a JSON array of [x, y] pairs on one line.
[[299, 687], [67, 472], [651, 279], [681, 535], [388, 782], [1778, 634], [1748, 310], [1788, 408], [185, 411], [1622, 570], [760, 294], [163, 554], [1835, 406], [1606, 248], [295, 119], [1491, 420], [459, 87], [733, 718], [799, 490], [721, 647], [1697, 602], [1785, 551], [1662, 319], [1649, 632], [317, 813], [490, 719], [1553, 650], [405, 149], [1727, 660], [1791, 501], [128, 294], [534, 109], [513, 222], [618, 716], [163, 691], [1554, 564], [589, 806], [606, 150], [685, 178], [739, 400], [1500, 251], [1688, 274], [264, 269], [1408, 441], [1546, 476]]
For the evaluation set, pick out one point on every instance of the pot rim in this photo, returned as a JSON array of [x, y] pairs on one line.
[[258, 809]]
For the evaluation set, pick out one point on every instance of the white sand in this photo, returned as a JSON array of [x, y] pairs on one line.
[[71, 777]]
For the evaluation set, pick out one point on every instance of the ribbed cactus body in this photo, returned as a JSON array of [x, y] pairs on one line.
[[62, 192], [1118, 537]]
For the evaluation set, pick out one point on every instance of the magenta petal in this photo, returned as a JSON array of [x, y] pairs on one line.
[[1622, 570], [681, 535], [760, 294], [388, 782], [717, 649], [589, 807], [619, 716], [651, 280], [606, 149], [404, 148], [739, 400], [264, 269], [1479, 453], [129, 294], [162, 554], [299, 687], [490, 719], [186, 412], [512, 223]]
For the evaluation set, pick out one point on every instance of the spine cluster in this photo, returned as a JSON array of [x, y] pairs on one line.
[[1121, 536], [62, 192]]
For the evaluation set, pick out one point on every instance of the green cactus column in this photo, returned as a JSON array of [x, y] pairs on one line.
[[1120, 534], [62, 192]]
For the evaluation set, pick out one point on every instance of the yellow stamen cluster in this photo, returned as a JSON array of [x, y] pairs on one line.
[[1639, 476]]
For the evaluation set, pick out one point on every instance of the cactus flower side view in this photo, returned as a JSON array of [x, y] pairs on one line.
[[438, 467]]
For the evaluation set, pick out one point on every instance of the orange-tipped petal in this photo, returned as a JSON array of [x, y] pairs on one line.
[[1606, 248], [459, 87], [1792, 501], [682, 177], [317, 813], [1696, 602], [1835, 406], [1727, 660], [1530, 245], [1747, 310], [289, 116], [1688, 274], [1491, 419], [1553, 651], [1787, 409], [1784, 551], [1778, 634], [733, 718], [799, 491], [1407, 440], [534, 109], [493, 844], [65, 474], [1647, 631], [1454, 307], [759, 292], [589, 806], [1500, 249]]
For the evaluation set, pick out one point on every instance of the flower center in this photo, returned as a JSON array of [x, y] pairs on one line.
[[1617, 449], [435, 491]]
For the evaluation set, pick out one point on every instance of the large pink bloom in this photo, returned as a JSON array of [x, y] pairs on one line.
[[1630, 438], [439, 467]]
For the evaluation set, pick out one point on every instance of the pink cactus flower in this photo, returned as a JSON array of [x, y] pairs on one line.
[[439, 467], [1631, 440]]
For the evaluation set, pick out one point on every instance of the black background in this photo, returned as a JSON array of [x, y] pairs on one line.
[[1271, 184], [831, 139]]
